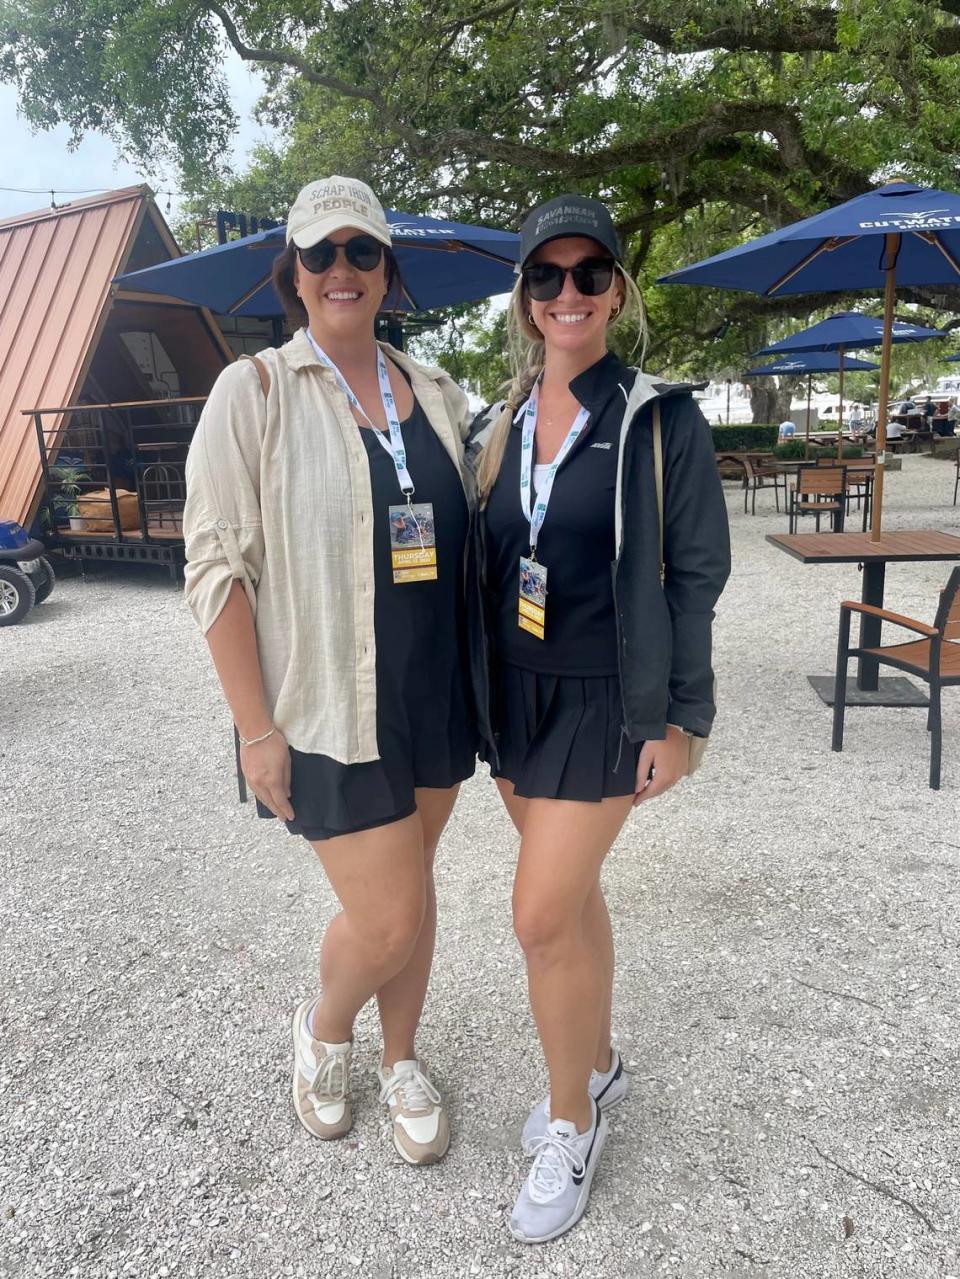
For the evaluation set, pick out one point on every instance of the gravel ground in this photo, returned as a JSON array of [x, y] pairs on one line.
[[786, 991]]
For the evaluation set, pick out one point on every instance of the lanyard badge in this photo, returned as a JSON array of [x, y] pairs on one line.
[[532, 600], [413, 542]]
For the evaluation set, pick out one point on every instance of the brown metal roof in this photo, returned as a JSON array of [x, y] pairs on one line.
[[55, 271]]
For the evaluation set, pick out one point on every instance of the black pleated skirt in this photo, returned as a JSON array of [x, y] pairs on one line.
[[559, 736]]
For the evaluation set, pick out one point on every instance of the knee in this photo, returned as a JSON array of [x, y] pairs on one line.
[[542, 927], [394, 935]]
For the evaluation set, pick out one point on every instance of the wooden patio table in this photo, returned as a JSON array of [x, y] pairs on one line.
[[899, 546]]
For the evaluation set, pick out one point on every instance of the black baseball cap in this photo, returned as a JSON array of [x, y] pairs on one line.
[[569, 215]]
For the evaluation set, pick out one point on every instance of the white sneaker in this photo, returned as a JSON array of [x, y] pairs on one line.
[[421, 1133], [555, 1194], [606, 1090], [321, 1077]]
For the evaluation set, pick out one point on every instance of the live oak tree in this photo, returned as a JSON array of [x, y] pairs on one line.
[[700, 122]]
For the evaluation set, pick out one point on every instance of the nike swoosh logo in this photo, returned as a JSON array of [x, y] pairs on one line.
[[611, 1081], [578, 1181]]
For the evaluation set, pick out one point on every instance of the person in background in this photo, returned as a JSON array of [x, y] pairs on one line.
[[787, 429]]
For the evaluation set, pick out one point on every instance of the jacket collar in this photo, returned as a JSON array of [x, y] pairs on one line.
[[595, 385], [299, 354], [610, 376]]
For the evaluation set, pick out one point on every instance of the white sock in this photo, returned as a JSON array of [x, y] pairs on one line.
[[611, 1068], [308, 1018]]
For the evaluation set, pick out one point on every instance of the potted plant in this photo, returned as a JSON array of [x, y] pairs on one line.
[[70, 480]]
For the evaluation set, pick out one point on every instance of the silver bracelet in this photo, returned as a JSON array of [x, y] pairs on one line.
[[252, 741]]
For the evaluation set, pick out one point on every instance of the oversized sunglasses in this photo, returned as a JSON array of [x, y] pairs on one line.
[[591, 276], [361, 251]]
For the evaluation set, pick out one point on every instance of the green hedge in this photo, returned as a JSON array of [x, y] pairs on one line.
[[791, 450], [794, 450], [736, 438]]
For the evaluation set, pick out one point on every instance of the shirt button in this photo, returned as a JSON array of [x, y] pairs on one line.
[[222, 524]]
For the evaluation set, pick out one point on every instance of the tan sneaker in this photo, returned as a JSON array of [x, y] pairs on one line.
[[421, 1133], [321, 1074]]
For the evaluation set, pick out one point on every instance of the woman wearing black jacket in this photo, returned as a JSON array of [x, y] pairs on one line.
[[595, 673]]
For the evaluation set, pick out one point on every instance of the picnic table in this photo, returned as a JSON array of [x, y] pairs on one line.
[[898, 547], [827, 437]]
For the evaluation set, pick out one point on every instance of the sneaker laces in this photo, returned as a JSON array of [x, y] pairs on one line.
[[418, 1092], [555, 1159], [331, 1077]]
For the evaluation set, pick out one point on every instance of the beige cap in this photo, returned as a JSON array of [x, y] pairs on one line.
[[331, 203]]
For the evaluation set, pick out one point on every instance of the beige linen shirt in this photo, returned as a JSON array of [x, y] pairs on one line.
[[279, 499]]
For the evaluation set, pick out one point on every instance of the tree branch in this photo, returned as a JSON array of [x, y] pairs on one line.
[[718, 121], [814, 32], [481, 15], [745, 307], [289, 58]]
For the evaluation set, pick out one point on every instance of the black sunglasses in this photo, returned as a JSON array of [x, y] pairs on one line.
[[361, 251], [591, 276]]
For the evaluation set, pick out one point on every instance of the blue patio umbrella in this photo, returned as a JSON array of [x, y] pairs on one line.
[[442, 263], [899, 233], [812, 362], [848, 330]]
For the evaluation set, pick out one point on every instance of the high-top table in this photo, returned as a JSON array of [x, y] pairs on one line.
[[899, 546]]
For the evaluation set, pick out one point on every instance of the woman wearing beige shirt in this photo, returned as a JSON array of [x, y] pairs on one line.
[[327, 515]]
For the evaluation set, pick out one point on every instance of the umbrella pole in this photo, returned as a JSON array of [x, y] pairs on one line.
[[728, 401], [806, 446], [840, 412], [892, 245]]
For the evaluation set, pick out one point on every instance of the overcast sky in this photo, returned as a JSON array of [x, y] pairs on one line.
[[41, 161]]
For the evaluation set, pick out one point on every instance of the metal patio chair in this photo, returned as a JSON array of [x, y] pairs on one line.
[[935, 658], [859, 484], [819, 491], [756, 476]]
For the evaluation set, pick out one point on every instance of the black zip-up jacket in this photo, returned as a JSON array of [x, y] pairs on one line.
[[663, 629]]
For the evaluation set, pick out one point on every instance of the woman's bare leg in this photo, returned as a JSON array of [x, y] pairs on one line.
[[561, 853], [401, 999], [599, 935], [596, 926], [378, 877]]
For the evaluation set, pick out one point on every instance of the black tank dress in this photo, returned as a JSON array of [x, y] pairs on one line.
[[426, 734]]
